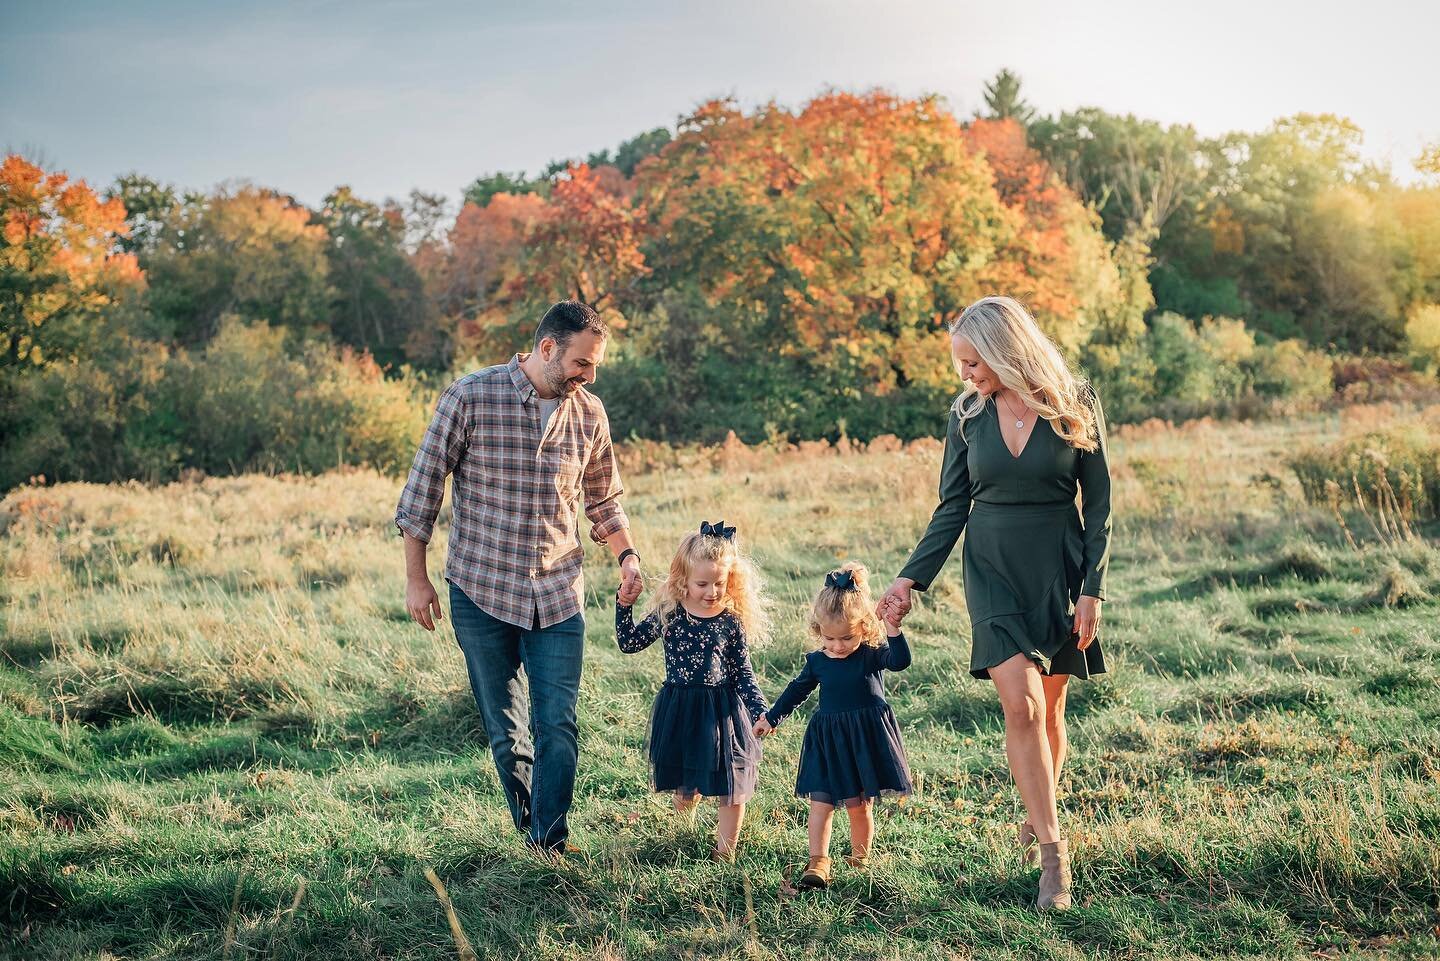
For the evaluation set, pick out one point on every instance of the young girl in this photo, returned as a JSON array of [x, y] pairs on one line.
[[852, 752], [701, 739]]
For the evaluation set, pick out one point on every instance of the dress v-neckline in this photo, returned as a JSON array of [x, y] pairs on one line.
[[1000, 428]]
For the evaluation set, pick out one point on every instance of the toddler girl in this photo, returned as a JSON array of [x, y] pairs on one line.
[[852, 752]]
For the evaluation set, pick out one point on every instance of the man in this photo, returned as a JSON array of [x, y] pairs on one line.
[[522, 442]]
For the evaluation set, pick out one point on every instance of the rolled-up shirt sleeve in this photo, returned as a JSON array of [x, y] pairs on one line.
[[603, 488], [440, 451]]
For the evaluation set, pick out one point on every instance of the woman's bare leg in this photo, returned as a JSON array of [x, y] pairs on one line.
[[1022, 697], [1055, 687]]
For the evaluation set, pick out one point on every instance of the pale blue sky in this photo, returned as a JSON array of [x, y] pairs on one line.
[[386, 95]]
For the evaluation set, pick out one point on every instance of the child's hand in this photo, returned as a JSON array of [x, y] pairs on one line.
[[763, 727], [892, 619], [896, 599], [628, 595]]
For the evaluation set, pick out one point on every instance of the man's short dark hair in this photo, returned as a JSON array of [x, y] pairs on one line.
[[566, 319]]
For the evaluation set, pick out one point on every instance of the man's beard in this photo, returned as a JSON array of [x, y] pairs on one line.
[[555, 380]]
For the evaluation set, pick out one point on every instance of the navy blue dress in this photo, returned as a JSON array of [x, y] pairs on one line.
[[852, 748], [700, 739]]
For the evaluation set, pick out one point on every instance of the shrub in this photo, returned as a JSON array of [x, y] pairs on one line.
[[246, 402], [1422, 335], [1289, 369], [1180, 369], [1393, 474], [1370, 378]]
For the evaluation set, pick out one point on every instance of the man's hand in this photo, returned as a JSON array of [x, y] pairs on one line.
[[895, 602], [631, 584], [422, 602], [762, 727], [1087, 620]]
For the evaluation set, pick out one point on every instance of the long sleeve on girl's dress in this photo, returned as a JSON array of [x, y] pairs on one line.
[[742, 675], [894, 655], [794, 695], [634, 638]]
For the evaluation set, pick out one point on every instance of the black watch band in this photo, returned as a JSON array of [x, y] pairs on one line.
[[626, 553]]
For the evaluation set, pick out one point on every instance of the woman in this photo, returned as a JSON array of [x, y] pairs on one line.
[[1023, 436]]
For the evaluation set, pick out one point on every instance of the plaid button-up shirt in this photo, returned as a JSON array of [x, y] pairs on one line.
[[514, 540]]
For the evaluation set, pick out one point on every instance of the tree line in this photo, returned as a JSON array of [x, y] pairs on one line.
[[777, 272]]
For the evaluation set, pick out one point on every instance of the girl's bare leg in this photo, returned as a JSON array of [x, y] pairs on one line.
[[821, 817], [862, 828], [728, 819]]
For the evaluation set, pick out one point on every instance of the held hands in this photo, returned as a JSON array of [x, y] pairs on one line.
[[423, 603], [892, 618], [631, 584], [1087, 620], [895, 603], [762, 727]]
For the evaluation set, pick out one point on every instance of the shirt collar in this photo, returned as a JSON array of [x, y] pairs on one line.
[[523, 387]]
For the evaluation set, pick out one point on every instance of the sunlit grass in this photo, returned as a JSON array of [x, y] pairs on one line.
[[210, 696]]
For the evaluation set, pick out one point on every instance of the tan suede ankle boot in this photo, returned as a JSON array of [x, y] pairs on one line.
[[1054, 877]]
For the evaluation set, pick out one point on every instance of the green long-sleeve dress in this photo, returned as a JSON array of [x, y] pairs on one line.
[[1027, 556]]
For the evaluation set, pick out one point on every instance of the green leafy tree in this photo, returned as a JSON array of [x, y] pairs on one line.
[[629, 154], [148, 203], [1292, 218], [243, 251], [378, 301], [1136, 173]]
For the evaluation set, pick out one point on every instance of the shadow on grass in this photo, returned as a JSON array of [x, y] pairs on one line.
[[1227, 699], [1302, 562]]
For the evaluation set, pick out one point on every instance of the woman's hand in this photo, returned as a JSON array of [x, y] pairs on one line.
[[1087, 620], [895, 602], [762, 727]]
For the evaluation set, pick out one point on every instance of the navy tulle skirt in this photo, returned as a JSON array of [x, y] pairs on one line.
[[848, 757], [701, 742]]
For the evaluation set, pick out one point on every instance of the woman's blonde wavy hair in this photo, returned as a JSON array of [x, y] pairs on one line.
[[856, 608], [744, 588], [1010, 341]]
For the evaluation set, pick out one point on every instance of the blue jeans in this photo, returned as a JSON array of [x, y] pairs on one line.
[[538, 776]]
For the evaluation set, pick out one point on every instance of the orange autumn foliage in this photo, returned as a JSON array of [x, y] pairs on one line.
[[587, 243], [859, 226], [485, 245], [58, 238], [1041, 263]]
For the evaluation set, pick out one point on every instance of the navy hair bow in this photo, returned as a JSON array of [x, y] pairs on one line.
[[841, 580], [717, 529]]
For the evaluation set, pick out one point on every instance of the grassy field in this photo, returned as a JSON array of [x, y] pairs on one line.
[[220, 736]]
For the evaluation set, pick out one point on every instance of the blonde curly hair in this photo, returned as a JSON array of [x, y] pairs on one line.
[[854, 608], [744, 588], [1010, 341]]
